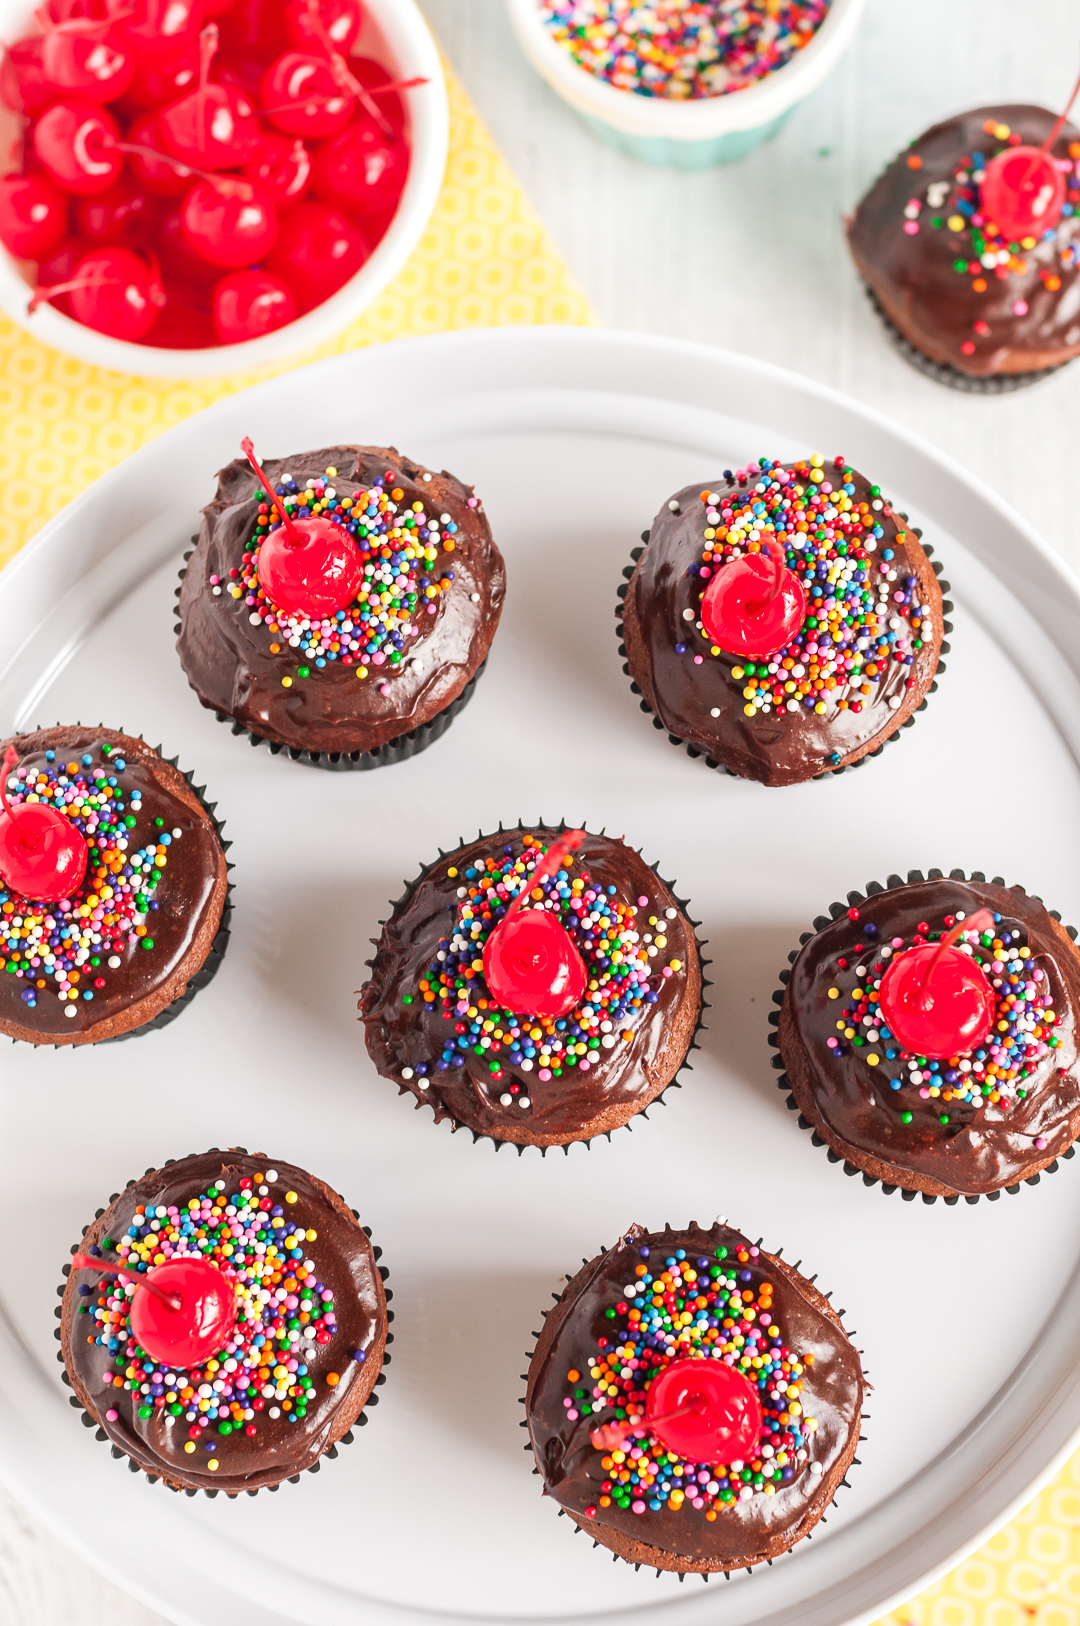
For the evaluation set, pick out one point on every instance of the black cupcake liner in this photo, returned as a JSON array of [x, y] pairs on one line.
[[720, 767], [707, 1575], [953, 377], [686, 1065], [211, 965], [873, 889], [399, 749], [119, 1455]]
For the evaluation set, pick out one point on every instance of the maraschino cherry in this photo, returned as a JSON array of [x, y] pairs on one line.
[[307, 566], [123, 214], [76, 144], [215, 127], [282, 166], [936, 1000], [249, 304], [360, 169], [33, 216], [318, 254], [184, 1310], [229, 221], [753, 605], [340, 20], [531, 963], [23, 86], [84, 57], [1023, 190], [158, 171], [114, 291], [166, 74], [301, 97], [703, 1411], [42, 855]]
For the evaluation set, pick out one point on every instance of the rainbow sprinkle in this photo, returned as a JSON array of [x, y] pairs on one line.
[[718, 1308], [285, 1315], [683, 49]]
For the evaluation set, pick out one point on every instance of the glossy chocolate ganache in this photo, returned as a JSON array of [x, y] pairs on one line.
[[657, 1297], [309, 1336], [967, 1124], [144, 918], [961, 291], [433, 1027], [857, 667], [418, 632]]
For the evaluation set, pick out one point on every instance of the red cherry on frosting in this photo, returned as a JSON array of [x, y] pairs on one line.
[[743, 612], [90, 61], [318, 253], [33, 216], [1022, 192], [42, 855], [23, 86], [306, 566], [229, 221], [249, 304], [361, 170], [722, 1418], [199, 1325], [75, 142], [936, 1000], [302, 97], [340, 20], [532, 965], [282, 167], [123, 214]]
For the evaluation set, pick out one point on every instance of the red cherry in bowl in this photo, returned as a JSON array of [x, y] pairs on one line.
[[123, 214], [198, 1321], [182, 325], [361, 170], [76, 145], [229, 221], [254, 30], [248, 304], [42, 855], [91, 62], [307, 25], [114, 291], [163, 76], [165, 177], [936, 1001], [373, 77], [753, 605], [302, 97], [282, 167], [180, 262], [1022, 192], [23, 86], [33, 216], [215, 128], [307, 566], [318, 253], [721, 1414], [532, 965], [59, 266], [154, 24]]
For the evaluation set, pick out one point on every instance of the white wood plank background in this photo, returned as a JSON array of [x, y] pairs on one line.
[[752, 258]]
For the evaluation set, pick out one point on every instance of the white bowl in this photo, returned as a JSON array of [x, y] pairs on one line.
[[685, 134], [394, 33]]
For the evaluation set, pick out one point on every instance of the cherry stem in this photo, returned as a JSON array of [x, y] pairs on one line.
[[978, 922], [340, 70], [779, 568], [41, 296], [561, 849], [224, 183], [324, 101], [10, 763], [86, 1261], [296, 539], [209, 38], [611, 1436], [1060, 125]]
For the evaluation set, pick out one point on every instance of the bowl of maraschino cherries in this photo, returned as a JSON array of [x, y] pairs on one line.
[[197, 186]]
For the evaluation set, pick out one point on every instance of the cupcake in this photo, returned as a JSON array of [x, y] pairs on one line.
[[224, 1323], [351, 633], [970, 248], [784, 622], [928, 1036], [693, 1442], [114, 891], [537, 986]]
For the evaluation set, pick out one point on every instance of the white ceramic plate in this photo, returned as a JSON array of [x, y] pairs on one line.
[[969, 1316]]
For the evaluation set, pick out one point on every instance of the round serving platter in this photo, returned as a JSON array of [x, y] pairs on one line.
[[969, 1316]]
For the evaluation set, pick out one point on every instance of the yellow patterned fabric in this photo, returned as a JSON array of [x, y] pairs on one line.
[[484, 260]]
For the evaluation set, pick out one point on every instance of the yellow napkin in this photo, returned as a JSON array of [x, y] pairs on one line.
[[484, 260]]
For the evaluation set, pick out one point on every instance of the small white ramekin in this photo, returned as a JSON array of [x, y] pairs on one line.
[[396, 34], [685, 134]]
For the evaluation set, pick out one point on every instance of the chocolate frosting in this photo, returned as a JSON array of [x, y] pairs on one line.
[[784, 747], [406, 1036], [982, 1147], [191, 896], [228, 660], [914, 275], [344, 1262], [744, 1531]]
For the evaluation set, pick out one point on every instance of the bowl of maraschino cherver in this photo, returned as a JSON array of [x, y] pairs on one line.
[[200, 186]]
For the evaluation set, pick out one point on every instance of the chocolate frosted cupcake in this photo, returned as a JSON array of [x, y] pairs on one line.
[[693, 1403], [970, 246], [224, 1323], [929, 1036], [532, 995], [351, 634], [784, 622], [114, 893]]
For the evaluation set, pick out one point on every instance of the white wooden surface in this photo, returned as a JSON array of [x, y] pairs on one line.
[[752, 258]]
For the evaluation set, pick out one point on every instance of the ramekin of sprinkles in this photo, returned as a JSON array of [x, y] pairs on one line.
[[684, 83]]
